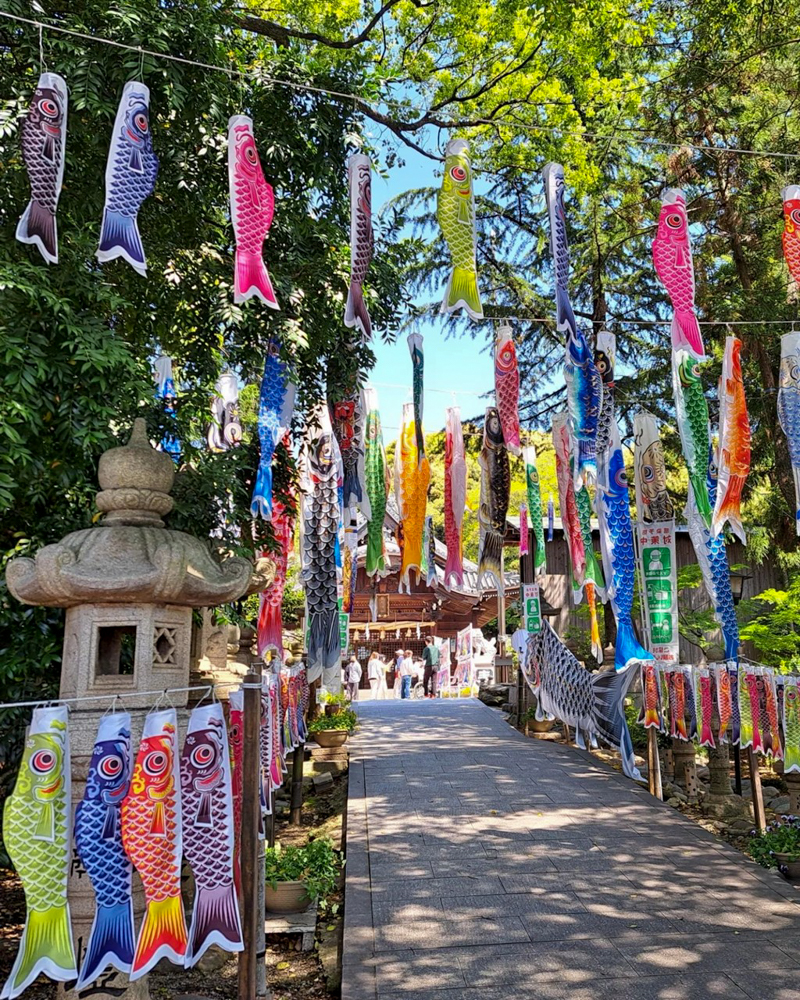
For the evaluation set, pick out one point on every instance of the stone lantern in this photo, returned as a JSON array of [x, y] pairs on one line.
[[129, 586]]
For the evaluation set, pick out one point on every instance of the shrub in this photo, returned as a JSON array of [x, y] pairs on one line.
[[346, 719], [316, 865], [778, 838]]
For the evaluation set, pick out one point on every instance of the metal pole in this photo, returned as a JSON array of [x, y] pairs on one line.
[[251, 767], [297, 784], [501, 605]]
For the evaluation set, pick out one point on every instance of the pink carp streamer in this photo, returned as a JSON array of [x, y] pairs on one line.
[[672, 256], [455, 497], [506, 388]]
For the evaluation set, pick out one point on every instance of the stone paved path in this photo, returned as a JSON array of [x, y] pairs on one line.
[[486, 866]]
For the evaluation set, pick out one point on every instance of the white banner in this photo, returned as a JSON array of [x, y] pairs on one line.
[[660, 589]]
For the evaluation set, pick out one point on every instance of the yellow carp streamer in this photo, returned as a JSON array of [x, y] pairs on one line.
[[412, 478]]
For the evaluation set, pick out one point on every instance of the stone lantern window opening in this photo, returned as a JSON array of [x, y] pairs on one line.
[[116, 650]]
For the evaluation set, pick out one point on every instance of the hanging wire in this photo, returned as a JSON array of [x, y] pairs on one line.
[[642, 141], [162, 693]]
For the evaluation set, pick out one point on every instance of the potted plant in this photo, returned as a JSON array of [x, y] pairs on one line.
[[334, 702], [296, 876], [779, 847], [333, 730], [534, 725]]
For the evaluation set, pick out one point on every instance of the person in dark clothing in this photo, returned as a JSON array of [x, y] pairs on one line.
[[430, 657]]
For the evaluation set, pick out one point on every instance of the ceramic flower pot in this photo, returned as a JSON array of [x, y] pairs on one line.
[[286, 897], [331, 737], [790, 865]]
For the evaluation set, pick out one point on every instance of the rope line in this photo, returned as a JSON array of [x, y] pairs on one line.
[[642, 141]]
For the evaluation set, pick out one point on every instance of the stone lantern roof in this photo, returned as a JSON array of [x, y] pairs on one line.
[[130, 557]]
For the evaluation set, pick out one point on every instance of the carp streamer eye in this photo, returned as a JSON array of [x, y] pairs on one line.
[[674, 221], [140, 121], [110, 767], [202, 755], [251, 155], [795, 216], [48, 108], [155, 763], [621, 479], [458, 174], [648, 473], [43, 761], [235, 732]]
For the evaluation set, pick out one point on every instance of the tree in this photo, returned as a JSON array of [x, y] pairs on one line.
[[78, 339]]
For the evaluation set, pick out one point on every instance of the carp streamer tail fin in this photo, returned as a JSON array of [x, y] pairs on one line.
[[163, 935], [686, 333], [38, 226], [110, 942], [215, 920], [462, 290], [628, 649], [46, 947], [355, 313], [252, 278], [119, 237], [491, 550]]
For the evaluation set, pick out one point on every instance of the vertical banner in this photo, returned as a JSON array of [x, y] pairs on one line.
[[659, 591], [655, 533], [463, 674], [531, 608]]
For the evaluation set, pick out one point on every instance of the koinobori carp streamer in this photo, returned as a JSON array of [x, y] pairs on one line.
[[252, 210], [131, 174], [44, 140]]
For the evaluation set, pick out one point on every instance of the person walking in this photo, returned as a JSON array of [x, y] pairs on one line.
[[430, 657], [374, 673], [352, 676], [398, 662], [406, 670], [383, 690]]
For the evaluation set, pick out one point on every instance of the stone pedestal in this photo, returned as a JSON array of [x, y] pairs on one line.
[[683, 755]]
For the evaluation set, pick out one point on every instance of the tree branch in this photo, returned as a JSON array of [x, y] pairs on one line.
[[281, 34]]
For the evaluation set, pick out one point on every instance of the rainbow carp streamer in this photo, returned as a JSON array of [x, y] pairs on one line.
[[733, 463]]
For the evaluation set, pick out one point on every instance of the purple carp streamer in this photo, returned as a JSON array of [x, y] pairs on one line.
[[131, 174], [44, 140]]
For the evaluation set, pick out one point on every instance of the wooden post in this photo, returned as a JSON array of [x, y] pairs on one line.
[[297, 784], [758, 798], [653, 764], [251, 772], [669, 764]]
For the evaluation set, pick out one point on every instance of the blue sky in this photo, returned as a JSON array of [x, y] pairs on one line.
[[458, 369]]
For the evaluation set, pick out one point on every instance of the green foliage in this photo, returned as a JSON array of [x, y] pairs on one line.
[[773, 626], [346, 719], [77, 340], [779, 838], [317, 865], [338, 699]]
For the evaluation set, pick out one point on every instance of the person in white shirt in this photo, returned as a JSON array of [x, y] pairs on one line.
[[406, 672], [374, 673], [352, 676]]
